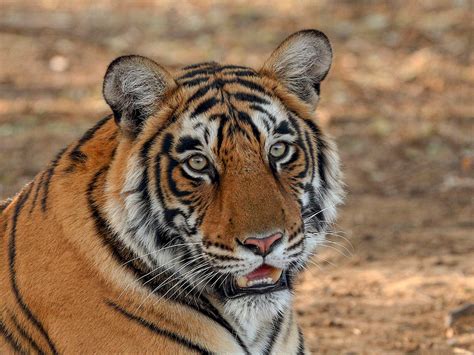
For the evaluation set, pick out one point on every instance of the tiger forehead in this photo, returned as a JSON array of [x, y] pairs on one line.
[[230, 81], [200, 73], [224, 101]]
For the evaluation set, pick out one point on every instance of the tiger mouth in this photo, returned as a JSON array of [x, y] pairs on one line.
[[264, 279]]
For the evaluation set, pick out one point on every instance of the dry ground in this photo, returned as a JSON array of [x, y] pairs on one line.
[[398, 100]]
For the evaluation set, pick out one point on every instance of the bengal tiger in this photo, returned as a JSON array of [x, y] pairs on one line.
[[178, 223]]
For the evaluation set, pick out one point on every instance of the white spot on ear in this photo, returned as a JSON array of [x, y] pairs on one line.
[[301, 62]]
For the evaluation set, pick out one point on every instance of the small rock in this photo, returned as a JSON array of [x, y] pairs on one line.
[[58, 63]]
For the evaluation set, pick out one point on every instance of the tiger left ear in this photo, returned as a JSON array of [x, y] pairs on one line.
[[300, 63], [134, 87]]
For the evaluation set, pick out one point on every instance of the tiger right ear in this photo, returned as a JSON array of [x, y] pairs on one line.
[[300, 63], [134, 87]]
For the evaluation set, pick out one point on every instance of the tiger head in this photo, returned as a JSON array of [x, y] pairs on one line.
[[223, 179]]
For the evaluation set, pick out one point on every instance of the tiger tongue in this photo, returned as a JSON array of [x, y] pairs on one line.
[[262, 274]]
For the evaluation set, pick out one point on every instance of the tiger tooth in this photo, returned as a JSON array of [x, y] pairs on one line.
[[269, 279], [242, 281], [275, 275]]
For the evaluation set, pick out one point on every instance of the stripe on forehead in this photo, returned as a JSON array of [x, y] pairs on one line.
[[225, 93], [199, 73]]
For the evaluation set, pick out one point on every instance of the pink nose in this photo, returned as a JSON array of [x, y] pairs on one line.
[[263, 245]]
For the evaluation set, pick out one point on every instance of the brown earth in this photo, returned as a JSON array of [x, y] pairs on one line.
[[398, 100]]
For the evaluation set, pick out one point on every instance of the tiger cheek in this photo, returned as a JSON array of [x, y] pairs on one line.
[[182, 184]]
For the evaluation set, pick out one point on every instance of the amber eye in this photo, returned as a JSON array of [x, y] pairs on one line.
[[278, 150], [197, 162]]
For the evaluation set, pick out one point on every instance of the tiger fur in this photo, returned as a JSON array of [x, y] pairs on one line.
[[124, 244]]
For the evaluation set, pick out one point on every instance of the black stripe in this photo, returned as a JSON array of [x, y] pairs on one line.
[[301, 143], [300, 343], [223, 257], [199, 65], [38, 187], [193, 73], [163, 332], [172, 164], [12, 256], [49, 175], [246, 118], [147, 146], [274, 335], [220, 83], [234, 67], [195, 82], [296, 245], [109, 239], [200, 93], [213, 69], [243, 73], [187, 143], [292, 159], [76, 155], [265, 112], [249, 84], [321, 156], [165, 150], [283, 128], [25, 335], [8, 337], [243, 96], [220, 133], [210, 311], [321, 147], [5, 203], [195, 179], [204, 106]]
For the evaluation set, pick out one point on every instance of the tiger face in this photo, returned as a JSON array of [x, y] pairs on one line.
[[228, 184]]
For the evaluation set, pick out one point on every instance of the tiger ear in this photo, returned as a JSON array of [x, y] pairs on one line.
[[300, 63], [134, 87]]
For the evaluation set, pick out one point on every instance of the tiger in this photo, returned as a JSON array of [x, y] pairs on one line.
[[179, 223]]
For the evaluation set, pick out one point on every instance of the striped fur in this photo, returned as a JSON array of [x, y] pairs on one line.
[[120, 246]]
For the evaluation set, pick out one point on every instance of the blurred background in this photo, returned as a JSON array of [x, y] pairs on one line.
[[398, 100]]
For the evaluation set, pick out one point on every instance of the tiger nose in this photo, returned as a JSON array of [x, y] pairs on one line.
[[262, 246]]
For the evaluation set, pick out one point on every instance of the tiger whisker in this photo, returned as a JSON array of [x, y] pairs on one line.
[[340, 245], [336, 249], [157, 251], [152, 271], [205, 279], [170, 278], [189, 262], [315, 214], [183, 280], [324, 260], [343, 238]]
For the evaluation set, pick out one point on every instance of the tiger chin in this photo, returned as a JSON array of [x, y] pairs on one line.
[[179, 223]]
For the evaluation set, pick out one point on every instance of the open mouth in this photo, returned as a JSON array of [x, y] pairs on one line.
[[264, 279]]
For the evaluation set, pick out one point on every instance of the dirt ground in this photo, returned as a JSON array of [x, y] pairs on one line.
[[398, 101]]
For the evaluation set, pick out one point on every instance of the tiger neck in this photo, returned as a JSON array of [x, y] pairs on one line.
[[259, 328]]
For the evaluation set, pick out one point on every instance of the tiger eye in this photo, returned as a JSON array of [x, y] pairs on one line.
[[197, 162], [278, 150]]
